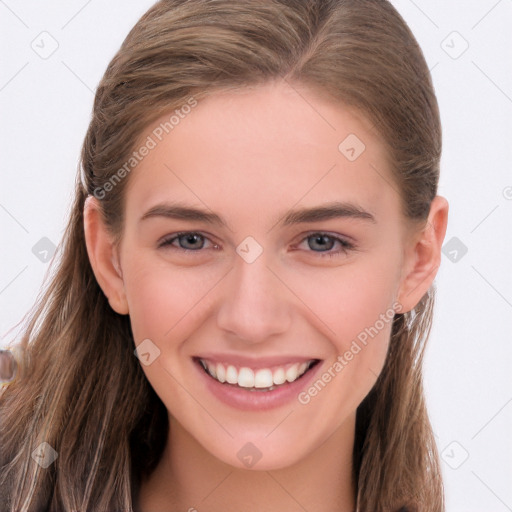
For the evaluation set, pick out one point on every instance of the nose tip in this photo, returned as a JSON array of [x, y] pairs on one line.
[[254, 305]]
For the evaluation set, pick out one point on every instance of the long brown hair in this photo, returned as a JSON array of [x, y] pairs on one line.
[[79, 386]]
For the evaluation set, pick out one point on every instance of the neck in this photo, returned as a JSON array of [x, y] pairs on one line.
[[188, 478]]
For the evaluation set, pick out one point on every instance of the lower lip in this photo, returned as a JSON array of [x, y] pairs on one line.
[[246, 400]]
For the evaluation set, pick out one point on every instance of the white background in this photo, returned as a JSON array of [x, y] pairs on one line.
[[45, 108]]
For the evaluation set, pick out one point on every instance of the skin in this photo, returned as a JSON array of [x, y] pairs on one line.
[[250, 156]]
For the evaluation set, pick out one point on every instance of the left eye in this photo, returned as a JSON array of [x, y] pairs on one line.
[[323, 243]]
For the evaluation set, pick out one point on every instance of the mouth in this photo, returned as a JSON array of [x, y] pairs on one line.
[[260, 380]]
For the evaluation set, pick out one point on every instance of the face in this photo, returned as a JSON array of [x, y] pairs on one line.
[[263, 246]]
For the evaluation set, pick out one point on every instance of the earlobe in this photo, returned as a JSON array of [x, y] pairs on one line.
[[424, 257], [104, 257]]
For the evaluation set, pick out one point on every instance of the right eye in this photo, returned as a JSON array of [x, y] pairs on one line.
[[189, 241]]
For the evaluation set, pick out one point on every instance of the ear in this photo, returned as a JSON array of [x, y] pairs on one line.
[[423, 256], [104, 257]]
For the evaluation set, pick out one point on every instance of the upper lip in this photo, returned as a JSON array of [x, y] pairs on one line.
[[254, 362]]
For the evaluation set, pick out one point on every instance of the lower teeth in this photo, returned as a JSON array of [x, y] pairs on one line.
[[260, 389], [249, 389]]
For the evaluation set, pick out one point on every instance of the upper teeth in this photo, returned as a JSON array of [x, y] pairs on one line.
[[262, 378]]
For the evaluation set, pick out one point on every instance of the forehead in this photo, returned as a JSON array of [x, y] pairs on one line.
[[252, 152]]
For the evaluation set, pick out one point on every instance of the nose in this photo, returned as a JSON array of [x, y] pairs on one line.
[[255, 304]]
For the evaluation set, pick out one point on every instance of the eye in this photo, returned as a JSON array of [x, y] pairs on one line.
[[320, 243], [323, 243], [186, 241]]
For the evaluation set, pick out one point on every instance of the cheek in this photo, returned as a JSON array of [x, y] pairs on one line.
[[354, 308], [162, 297], [349, 299]]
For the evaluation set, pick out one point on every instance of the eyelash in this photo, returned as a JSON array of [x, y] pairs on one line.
[[345, 245]]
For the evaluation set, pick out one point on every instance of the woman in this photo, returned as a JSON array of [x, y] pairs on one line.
[[244, 290]]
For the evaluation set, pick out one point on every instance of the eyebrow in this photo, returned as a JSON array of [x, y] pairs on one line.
[[320, 213]]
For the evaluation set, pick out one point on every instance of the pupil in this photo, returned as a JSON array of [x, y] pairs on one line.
[[191, 239], [324, 242]]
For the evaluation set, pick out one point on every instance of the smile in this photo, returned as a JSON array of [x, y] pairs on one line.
[[260, 379]]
